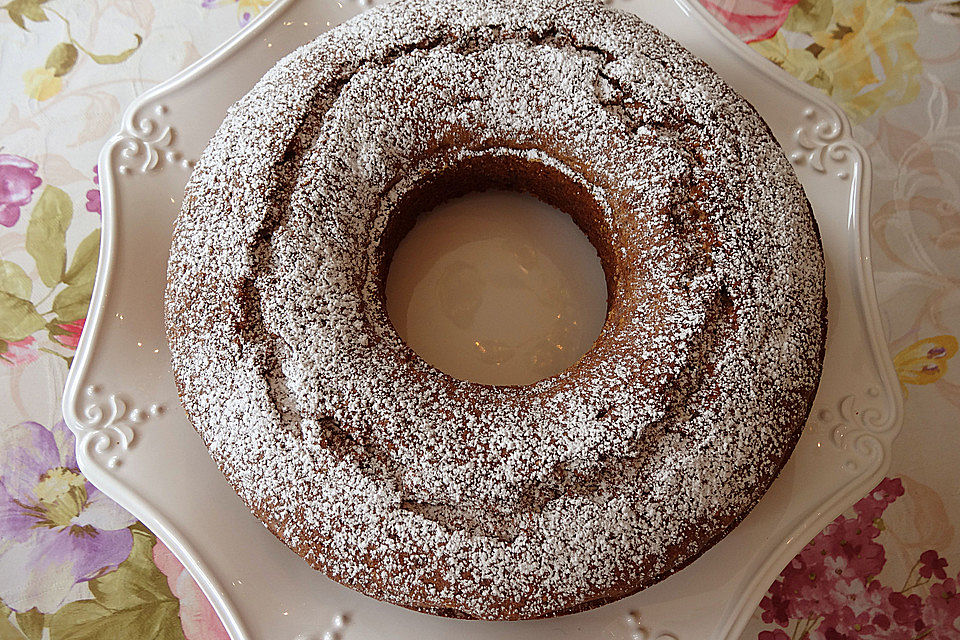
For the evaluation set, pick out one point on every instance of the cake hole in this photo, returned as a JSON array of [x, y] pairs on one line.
[[489, 191], [497, 287]]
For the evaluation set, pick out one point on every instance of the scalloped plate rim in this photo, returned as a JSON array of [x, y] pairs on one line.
[[737, 612], [859, 207]]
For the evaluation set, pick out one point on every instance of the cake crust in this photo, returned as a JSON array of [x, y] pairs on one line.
[[468, 500]]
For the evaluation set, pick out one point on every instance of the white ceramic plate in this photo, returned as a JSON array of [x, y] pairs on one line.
[[135, 443]]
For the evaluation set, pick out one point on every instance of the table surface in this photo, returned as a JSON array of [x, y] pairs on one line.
[[74, 565]]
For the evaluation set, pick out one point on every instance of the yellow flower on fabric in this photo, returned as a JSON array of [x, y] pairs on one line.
[[863, 54], [56, 482], [62, 494], [41, 83], [799, 63], [925, 361], [868, 51]]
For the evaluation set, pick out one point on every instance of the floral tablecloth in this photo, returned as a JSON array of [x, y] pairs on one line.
[[73, 565]]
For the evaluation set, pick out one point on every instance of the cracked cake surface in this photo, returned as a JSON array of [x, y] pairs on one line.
[[453, 497]]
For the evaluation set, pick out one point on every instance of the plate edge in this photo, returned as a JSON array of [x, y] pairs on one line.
[[160, 526], [739, 613]]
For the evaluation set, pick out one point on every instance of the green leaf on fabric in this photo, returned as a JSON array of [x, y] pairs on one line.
[[89, 620], [72, 303], [14, 280], [83, 267], [47, 232], [84, 619], [17, 18], [62, 58], [31, 624], [54, 329], [134, 601], [808, 16], [18, 318], [30, 9], [7, 629], [800, 63], [116, 57], [137, 580], [9, 632]]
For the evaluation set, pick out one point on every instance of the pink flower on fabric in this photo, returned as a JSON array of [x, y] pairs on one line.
[[906, 608], [833, 578], [853, 553], [20, 352], [866, 611], [18, 180], [833, 583], [58, 530], [197, 617], [776, 605], [71, 338], [941, 610], [832, 634], [931, 564], [751, 20], [873, 505]]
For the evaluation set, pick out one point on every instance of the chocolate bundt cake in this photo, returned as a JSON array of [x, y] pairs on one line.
[[457, 498]]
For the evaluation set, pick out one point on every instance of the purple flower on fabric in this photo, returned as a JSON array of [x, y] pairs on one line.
[[93, 195], [58, 530], [246, 9], [18, 180]]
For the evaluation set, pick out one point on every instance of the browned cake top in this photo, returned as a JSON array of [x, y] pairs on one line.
[[459, 498]]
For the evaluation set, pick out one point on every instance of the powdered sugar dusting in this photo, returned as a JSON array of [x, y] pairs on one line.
[[496, 502]]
